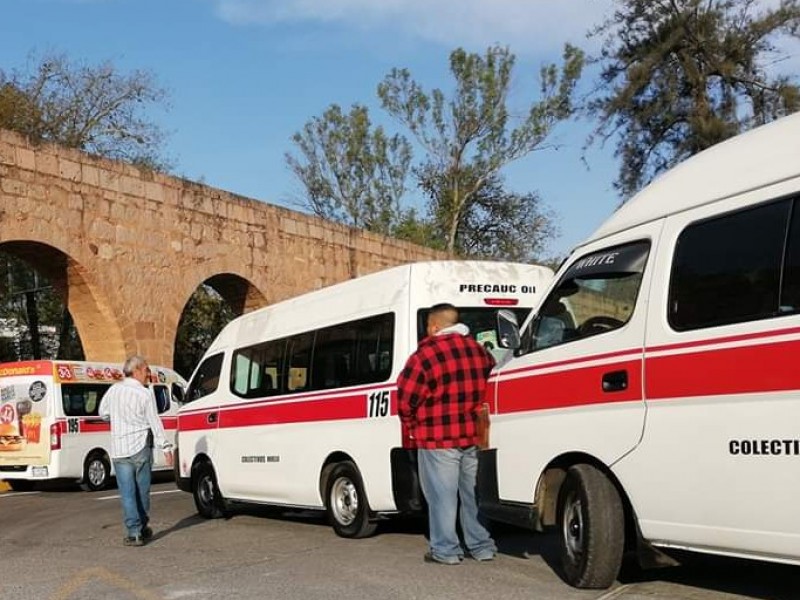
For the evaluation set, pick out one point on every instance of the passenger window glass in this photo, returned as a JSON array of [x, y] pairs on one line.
[[162, 398], [790, 294], [375, 349], [727, 269], [300, 348], [82, 399], [595, 295], [258, 370], [206, 379]]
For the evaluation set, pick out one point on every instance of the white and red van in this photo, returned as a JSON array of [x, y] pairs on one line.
[[49, 426], [295, 404], [654, 399]]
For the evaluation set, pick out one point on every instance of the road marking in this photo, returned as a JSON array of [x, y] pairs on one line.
[[615, 592], [17, 494], [83, 578], [151, 493]]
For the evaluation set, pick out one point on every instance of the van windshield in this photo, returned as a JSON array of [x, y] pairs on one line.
[[482, 323]]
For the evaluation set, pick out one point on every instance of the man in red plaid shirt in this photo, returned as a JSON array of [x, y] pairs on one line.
[[439, 393]]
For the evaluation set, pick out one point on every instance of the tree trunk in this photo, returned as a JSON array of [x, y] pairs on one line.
[[33, 324]]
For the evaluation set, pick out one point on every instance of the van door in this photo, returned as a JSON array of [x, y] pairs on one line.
[[717, 466], [578, 385], [198, 419]]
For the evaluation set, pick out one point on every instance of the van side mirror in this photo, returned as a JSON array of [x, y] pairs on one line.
[[508, 330], [178, 392]]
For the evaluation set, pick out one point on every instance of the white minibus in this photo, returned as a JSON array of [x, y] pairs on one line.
[[49, 427], [295, 404], [654, 399]]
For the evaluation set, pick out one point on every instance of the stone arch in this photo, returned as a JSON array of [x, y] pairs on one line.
[[239, 293], [95, 321]]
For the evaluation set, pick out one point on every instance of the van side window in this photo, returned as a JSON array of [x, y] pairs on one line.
[[790, 292], [206, 379], [162, 398], [352, 353], [300, 349], [595, 295], [728, 269], [82, 399]]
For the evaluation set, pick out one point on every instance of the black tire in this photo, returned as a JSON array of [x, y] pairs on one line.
[[346, 503], [96, 472], [20, 485], [207, 498], [591, 528]]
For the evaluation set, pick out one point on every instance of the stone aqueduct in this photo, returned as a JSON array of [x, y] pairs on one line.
[[126, 248]]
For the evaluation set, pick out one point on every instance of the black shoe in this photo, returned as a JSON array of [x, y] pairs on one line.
[[147, 533], [441, 560], [133, 540]]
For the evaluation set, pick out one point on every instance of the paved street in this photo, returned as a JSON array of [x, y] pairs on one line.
[[65, 544]]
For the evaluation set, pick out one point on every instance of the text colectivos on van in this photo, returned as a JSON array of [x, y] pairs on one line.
[[654, 401], [296, 404], [49, 426]]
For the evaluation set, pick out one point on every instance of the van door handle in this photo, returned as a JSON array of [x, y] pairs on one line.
[[615, 381], [212, 417]]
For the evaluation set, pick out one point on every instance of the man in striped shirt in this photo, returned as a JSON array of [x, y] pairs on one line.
[[133, 415], [440, 391]]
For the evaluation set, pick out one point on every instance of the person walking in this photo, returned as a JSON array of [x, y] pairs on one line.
[[135, 428], [440, 391]]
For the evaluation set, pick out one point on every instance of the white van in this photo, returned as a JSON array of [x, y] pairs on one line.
[[665, 410], [296, 404], [49, 427]]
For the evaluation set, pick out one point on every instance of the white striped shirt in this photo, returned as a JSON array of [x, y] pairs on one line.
[[132, 411]]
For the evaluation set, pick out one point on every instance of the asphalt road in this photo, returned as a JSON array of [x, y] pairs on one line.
[[65, 544]]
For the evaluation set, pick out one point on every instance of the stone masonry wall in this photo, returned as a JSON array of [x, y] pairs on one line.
[[137, 244]]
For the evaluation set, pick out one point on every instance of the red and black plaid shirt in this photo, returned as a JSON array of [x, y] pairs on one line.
[[440, 389]]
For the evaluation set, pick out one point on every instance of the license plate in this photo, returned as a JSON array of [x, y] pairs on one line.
[[39, 471]]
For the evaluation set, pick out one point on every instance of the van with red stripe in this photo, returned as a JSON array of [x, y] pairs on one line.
[[49, 426], [296, 404], [653, 401]]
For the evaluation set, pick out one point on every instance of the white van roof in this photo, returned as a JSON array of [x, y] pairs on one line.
[[760, 157], [444, 280]]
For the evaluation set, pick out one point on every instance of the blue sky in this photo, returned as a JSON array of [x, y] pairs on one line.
[[244, 75]]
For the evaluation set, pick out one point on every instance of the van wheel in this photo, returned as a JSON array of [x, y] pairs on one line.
[[207, 498], [20, 485], [591, 528], [347, 506], [96, 472]]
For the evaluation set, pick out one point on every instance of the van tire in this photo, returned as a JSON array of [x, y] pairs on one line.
[[96, 472], [207, 498], [346, 503], [591, 528]]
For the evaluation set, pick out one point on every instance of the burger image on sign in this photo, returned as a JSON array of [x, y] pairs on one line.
[[10, 440]]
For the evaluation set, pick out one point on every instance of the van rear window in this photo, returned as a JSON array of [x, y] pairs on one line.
[[82, 399]]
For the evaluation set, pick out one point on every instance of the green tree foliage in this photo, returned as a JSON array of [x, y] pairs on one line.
[[351, 172], [205, 315], [681, 75], [34, 315], [94, 108], [469, 137]]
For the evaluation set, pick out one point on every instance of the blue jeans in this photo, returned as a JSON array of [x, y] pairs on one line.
[[133, 481], [448, 475]]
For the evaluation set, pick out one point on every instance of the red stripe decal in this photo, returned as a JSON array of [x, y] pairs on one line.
[[300, 410], [741, 370], [572, 387]]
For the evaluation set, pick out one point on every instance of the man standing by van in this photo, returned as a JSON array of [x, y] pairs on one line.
[[135, 425], [440, 391]]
